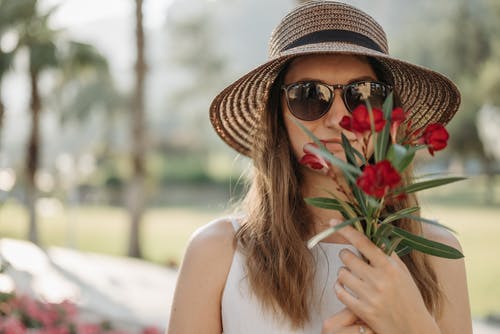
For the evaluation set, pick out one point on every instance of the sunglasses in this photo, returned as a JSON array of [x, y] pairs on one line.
[[311, 100]]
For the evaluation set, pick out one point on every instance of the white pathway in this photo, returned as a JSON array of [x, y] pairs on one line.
[[129, 292]]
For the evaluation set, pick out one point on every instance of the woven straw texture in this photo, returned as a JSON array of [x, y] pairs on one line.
[[236, 112]]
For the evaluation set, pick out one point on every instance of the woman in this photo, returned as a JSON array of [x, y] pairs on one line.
[[254, 274]]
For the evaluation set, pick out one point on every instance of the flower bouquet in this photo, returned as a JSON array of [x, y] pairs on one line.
[[374, 176]]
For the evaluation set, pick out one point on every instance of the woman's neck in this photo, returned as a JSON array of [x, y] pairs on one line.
[[316, 184]]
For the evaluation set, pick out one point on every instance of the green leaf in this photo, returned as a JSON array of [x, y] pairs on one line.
[[396, 154], [360, 156], [348, 149], [428, 184], [388, 106], [349, 171], [407, 159], [329, 231], [400, 156], [427, 246], [381, 235], [383, 137], [383, 230], [361, 198], [402, 250], [348, 208], [403, 213], [393, 245], [324, 203], [429, 221]]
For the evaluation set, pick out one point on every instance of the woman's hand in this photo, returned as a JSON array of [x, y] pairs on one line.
[[384, 294], [345, 322]]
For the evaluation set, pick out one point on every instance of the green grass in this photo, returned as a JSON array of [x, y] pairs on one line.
[[166, 232]]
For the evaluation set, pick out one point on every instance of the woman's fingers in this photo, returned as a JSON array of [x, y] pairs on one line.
[[352, 282], [374, 254], [350, 301], [339, 320], [355, 264], [353, 329]]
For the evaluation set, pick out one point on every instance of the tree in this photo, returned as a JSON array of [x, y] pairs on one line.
[[84, 83], [194, 35], [136, 186], [70, 58], [12, 14], [36, 36]]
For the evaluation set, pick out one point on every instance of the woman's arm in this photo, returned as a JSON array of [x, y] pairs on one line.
[[196, 307], [456, 316]]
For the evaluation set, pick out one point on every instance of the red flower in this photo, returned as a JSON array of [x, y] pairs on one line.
[[398, 116], [377, 179], [89, 329], [435, 137], [53, 330], [150, 330], [311, 159], [10, 324], [359, 121]]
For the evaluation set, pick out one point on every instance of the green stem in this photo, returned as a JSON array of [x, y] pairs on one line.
[[359, 227], [369, 224]]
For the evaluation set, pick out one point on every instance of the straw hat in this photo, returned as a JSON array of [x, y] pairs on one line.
[[328, 27]]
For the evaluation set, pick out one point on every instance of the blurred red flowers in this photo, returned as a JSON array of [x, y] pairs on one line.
[[22, 314], [311, 160], [377, 179]]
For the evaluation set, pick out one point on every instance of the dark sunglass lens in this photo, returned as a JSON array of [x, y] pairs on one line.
[[358, 93], [309, 101]]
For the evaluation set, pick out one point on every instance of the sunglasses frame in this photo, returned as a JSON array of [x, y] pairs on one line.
[[286, 88]]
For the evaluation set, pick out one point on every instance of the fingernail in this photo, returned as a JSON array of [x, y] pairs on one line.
[[342, 253], [337, 286], [334, 222], [338, 271]]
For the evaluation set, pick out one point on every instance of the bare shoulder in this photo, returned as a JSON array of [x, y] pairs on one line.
[[210, 252], [214, 238], [441, 235], [202, 278], [444, 268]]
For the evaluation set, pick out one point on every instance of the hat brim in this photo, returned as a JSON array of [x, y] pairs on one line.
[[235, 113]]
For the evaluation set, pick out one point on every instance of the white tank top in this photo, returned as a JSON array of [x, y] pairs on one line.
[[242, 313]]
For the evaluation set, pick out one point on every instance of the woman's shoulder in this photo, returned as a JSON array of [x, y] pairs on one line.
[[442, 235], [212, 244], [447, 270], [201, 279], [215, 235]]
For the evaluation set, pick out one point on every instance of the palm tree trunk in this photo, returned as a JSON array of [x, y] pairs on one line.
[[136, 186], [489, 166], [33, 157], [2, 107], [2, 113]]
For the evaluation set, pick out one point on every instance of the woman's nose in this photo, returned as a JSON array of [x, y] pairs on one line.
[[337, 110]]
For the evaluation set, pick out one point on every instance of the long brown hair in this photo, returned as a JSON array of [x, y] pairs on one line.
[[280, 267]]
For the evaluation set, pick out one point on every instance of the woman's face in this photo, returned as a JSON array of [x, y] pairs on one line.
[[330, 69]]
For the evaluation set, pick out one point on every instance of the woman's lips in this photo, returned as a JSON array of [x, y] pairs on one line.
[[337, 140], [335, 143]]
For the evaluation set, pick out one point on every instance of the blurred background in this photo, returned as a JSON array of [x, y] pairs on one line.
[[107, 153]]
